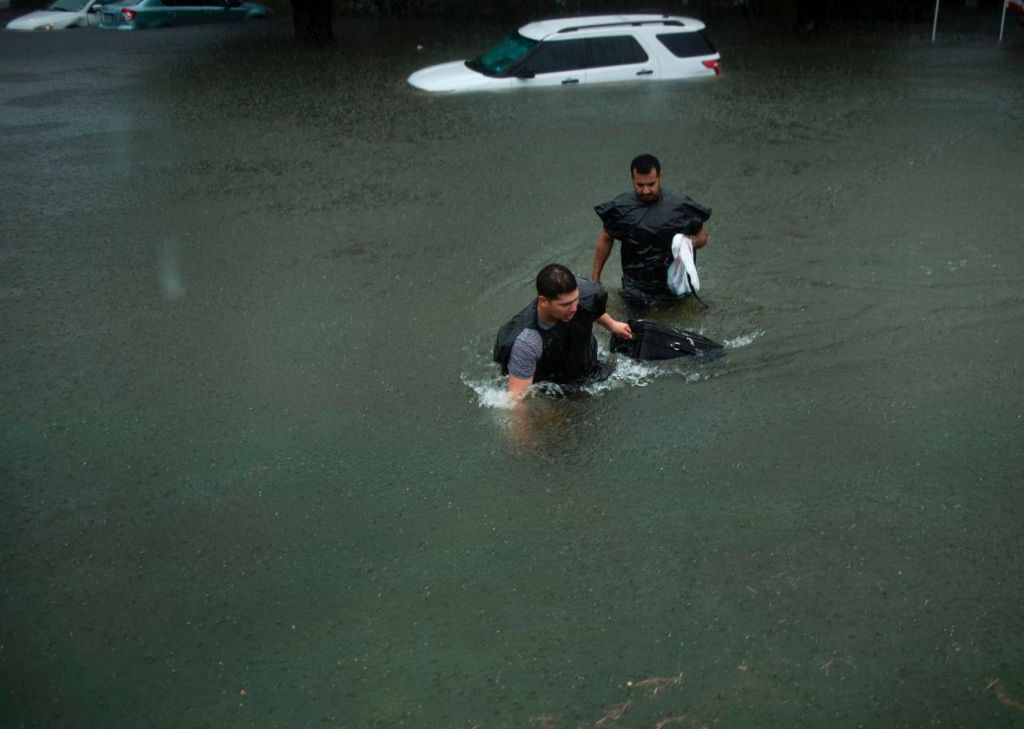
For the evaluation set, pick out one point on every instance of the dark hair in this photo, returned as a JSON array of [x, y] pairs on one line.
[[555, 280], [644, 163]]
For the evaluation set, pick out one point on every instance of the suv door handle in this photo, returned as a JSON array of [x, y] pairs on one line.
[[568, 81], [645, 72]]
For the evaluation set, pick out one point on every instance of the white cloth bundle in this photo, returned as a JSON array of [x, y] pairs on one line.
[[682, 273]]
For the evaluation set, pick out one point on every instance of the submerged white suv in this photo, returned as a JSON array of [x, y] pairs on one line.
[[583, 50]]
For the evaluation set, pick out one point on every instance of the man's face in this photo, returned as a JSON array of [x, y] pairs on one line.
[[647, 185], [560, 309]]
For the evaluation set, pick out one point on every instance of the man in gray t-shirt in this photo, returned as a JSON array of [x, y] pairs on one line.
[[552, 339]]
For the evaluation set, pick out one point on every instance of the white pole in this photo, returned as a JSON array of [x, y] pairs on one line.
[[935, 23], [1002, 23]]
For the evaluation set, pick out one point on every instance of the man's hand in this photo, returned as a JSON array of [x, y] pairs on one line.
[[619, 328]]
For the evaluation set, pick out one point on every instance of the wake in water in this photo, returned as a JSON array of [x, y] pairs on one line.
[[492, 393], [743, 340], [491, 389]]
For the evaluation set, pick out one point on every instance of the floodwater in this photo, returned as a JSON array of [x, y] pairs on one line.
[[255, 467]]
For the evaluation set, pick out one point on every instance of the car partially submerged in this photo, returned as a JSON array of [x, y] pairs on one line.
[[583, 50], [138, 14], [60, 15]]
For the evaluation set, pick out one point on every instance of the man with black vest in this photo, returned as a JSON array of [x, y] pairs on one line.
[[552, 340], [644, 221]]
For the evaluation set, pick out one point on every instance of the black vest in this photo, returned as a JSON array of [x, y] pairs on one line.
[[570, 350], [646, 231]]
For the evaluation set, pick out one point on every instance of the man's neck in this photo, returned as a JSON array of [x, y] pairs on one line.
[[548, 323], [544, 320]]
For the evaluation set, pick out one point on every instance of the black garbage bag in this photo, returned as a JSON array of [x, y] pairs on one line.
[[655, 341]]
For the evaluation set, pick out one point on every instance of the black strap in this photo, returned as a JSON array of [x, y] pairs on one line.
[[694, 292]]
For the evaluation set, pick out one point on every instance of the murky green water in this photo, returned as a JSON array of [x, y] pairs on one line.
[[251, 474]]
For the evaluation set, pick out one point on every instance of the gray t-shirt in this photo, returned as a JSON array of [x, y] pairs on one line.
[[526, 352]]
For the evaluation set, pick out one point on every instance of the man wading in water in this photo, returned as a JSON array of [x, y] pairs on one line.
[[552, 340], [644, 221]]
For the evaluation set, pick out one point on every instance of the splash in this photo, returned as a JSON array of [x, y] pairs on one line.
[[491, 392], [632, 372], [743, 340]]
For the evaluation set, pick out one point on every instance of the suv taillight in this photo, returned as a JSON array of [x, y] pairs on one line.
[[127, 14], [715, 65]]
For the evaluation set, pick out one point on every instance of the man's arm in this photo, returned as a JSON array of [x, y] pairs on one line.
[[619, 328], [517, 387], [522, 363], [602, 249]]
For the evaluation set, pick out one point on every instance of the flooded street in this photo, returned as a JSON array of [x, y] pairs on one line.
[[254, 466]]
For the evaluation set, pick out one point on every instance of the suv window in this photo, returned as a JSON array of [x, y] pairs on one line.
[[615, 50], [555, 56], [685, 45]]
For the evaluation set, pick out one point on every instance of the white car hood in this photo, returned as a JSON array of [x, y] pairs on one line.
[[454, 76], [43, 18]]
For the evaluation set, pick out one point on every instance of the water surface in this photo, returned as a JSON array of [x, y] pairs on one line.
[[252, 468]]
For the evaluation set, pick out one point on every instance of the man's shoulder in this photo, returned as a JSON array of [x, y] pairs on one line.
[[682, 206], [593, 296], [619, 213], [588, 287], [528, 337], [511, 329], [671, 199], [624, 201]]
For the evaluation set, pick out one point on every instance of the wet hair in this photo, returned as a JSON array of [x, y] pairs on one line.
[[644, 163], [555, 280]]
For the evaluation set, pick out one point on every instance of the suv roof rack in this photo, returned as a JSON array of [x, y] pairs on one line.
[[623, 23]]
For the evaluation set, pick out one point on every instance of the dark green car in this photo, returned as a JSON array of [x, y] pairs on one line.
[[136, 14]]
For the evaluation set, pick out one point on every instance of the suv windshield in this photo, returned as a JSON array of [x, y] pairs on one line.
[[494, 61]]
